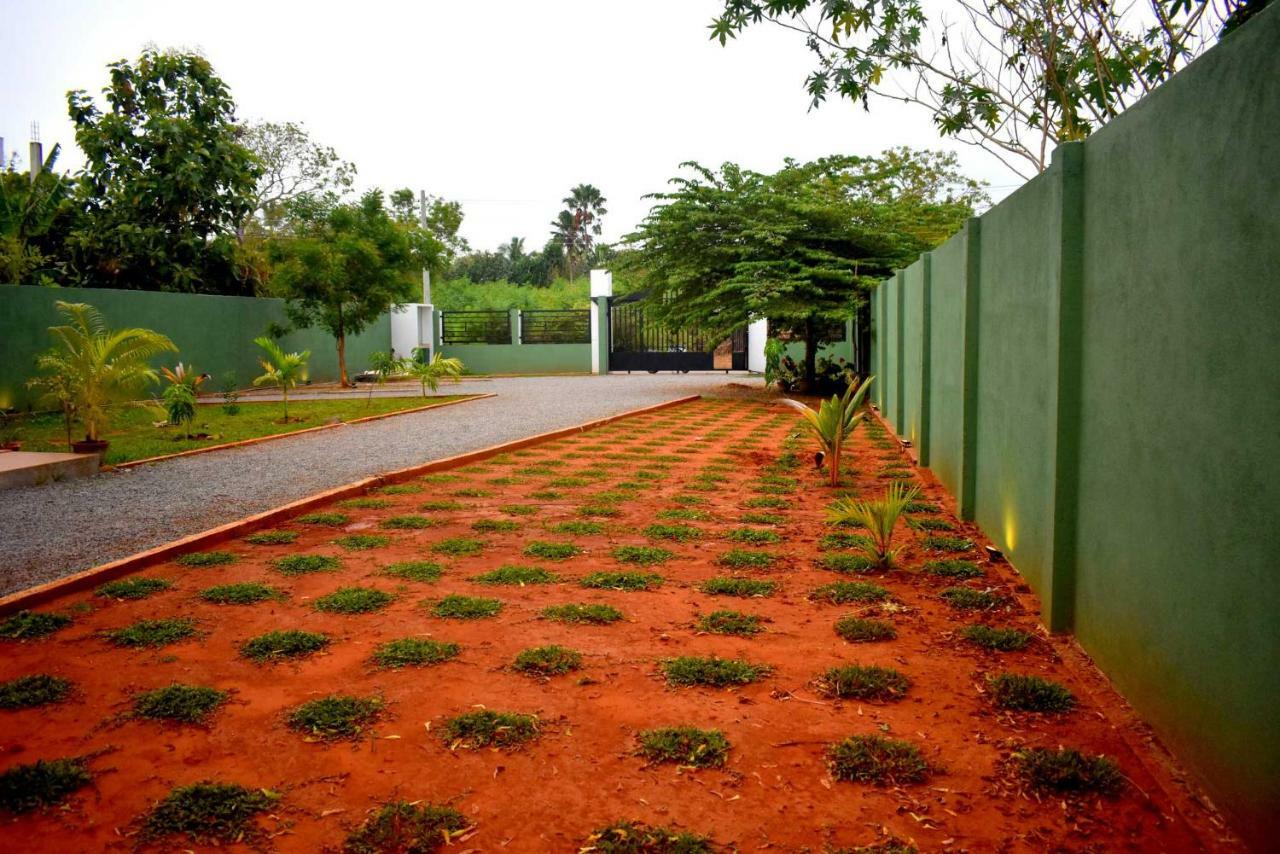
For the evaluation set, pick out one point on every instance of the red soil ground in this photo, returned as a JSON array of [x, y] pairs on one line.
[[775, 791]]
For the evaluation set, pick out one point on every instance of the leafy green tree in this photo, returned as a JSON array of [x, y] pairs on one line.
[[166, 181], [342, 266], [438, 220], [1014, 77], [293, 165], [280, 369], [35, 217], [802, 246], [574, 229]]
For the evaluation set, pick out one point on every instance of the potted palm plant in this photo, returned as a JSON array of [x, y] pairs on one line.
[[93, 366]]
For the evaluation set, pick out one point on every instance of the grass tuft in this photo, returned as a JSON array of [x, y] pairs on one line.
[[276, 645], [876, 760], [674, 533], [576, 528], [202, 559], [929, 523], [855, 682], [743, 587], [716, 672], [400, 489], [364, 504], [304, 564], [991, 637], [456, 607], [495, 526], [730, 623], [967, 598], [209, 812], [362, 542], [24, 788], [844, 592], [942, 543], [953, 568], [629, 837], [353, 600], [188, 704], [849, 564], [458, 547], [747, 559], [842, 540], [548, 660], [29, 692], [417, 828], [414, 570], [132, 588], [753, 536], [414, 652], [408, 523], [272, 538], [488, 728], [596, 615], [1068, 770], [551, 551], [329, 520], [442, 505], [1019, 693], [521, 575], [763, 519], [859, 630], [766, 501], [336, 716], [153, 633], [28, 625], [700, 748], [642, 555], [622, 580]]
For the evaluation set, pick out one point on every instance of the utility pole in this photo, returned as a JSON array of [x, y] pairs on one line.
[[36, 152], [422, 219]]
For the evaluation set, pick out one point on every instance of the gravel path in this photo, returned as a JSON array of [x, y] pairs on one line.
[[61, 528]]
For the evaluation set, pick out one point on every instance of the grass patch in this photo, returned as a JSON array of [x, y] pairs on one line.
[[922, 507], [546, 495], [243, 593], [859, 630], [440, 477], [272, 538], [688, 500], [335, 717], [1068, 770], [742, 587], [487, 728], [28, 625], [841, 540], [304, 564], [876, 760], [472, 492], [408, 523], [188, 704], [551, 551], [700, 748], [568, 482], [29, 692], [766, 501], [414, 652], [495, 526], [629, 837], [642, 555], [520, 509], [512, 574], [990, 637], [153, 633], [456, 607], [414, 570], [716, 672], [954, 568], [1019, 693], [855, 682], [928, 523], [362, 542], [942, 543], [754, 536], [631, 581], [576, 528], [849, 564], [674, 533], [747, 559], [401, 826], [203, 559], [844, 592], [277, 645], [400, 489], [968, 599], [548, 660], [364, 504], [685, 514], [24, 788], [353, 600], [328, 520], [594, 615], [730, 623], [440, 506], [458, 547], [764, 519], [132, 588]]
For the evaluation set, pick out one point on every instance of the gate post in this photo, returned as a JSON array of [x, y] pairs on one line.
[[601, 291]]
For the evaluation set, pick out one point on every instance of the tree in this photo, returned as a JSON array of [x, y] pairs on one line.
[[293, 165], [342, 266], [35, 218], [430, 373], [437, 219], [568, 234], [801, 247], [281, 369], [575, 228], [1014, 77], [166, 181]]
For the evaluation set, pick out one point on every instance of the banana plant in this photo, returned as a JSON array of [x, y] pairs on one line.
[[282, 369], [878, 516], [834, 422]]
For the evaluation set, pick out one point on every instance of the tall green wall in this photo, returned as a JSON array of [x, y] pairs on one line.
[[521, 358], [213, 333], [1102, 369]]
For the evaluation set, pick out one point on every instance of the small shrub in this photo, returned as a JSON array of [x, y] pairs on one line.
[[878, 517], [742, 587], [336, 716], [876, 760], [858, 630], [764, 519], [953, 568], [272, 538], [466, 608], [716, 672], [629, 837], [353, 600], [675, 533], [24, 788], [520, 509], [849, 564], [495, 526], [400, 826], [458, 547], [28, 625], [276, 645], [414, 570], [844, 592], [551, 551], [303, 564], [484, 728], [203, 559], [153, 633], [700, 748], [642, 555], [766, 501], [730, 623], [685, 514], [364, 504], [408, 523], [329, 520], [548, 660], [990, 637], [29, 692], [598, 615], [576, 528], [841, 540], [1068, 770], [521, 575], [622, 580], [966, 598], [754, 536], [928, 523], [362, 542], [855, 682], [1020, 693], [747, 559], [941, 543], [132, 588], [440, 506], [414, 652], [188, 704]]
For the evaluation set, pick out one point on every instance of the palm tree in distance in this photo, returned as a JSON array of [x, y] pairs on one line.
[[576, 227]]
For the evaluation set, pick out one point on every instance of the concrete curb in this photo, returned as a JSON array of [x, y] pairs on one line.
[[49, 591]]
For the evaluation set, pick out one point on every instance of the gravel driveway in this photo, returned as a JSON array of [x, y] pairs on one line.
[[60, 528]]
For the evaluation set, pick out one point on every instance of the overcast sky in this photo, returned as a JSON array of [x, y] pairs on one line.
[[502, 105]]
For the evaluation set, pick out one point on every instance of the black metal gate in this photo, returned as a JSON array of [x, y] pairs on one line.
[[639, 344]]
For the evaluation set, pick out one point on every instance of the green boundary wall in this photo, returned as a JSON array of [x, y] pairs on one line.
[[522, 358], [213, 333], [1093, 368]]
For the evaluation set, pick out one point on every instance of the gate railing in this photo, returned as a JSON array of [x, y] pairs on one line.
[[569, 326], [475, 327]]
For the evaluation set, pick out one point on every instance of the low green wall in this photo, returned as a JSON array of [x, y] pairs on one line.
[[1101, 367], [213, 333], [521, 358]]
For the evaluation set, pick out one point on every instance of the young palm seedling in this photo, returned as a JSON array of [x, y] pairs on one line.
[[879, 518], [834, 423]]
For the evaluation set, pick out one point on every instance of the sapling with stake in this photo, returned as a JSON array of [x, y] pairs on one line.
[[878, 516], [834, 422]]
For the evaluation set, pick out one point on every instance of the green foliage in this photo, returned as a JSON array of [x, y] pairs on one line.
[[844, 592], [834, 422], [859, 630], [642, 555], [272, 538], [336, 716], [849, 564], [429, 374], [329, 520], [999, 639], [856, 682], [548, 660], [153, 633], [36, 217], [629, 837], [400, 489], [576, 528], [716, 672], [24, 788], [414, 652], [954, 568], [743, 587], [281, 644], [458, 547], [209, 812], [180, 405], [362, 542], [520, 509], [755, 536], [241, 593], [1068, 770], [37, 689], [280, 369], [303, 564], [841, 540], [764, 519], [699, 748], [730, 623], [132, 588], [599, 615], [28, 625], [353, 600], [485, 728], [766, 501], [1022, 693], [878, 517], [551, 551], [202, 559], [440, 506], [967, 598], [519, 575], [188, 704], [928, 523], [881, 761], [408, 523], [401, 826], [939, 543], [622, 580], [466, 607], [747, 559], [364, 504]]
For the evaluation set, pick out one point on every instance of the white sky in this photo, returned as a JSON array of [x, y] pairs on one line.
[[502, 105]]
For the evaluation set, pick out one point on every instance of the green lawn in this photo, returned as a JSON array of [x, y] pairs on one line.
[[133, 435]]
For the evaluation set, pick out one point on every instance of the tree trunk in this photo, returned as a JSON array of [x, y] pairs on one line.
[[341, 335], [810, 356]]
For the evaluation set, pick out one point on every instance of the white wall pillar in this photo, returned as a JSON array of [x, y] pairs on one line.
[[757, 334], [601, 290]]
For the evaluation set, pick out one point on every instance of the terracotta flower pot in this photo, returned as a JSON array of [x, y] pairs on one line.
[[90, 446]]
